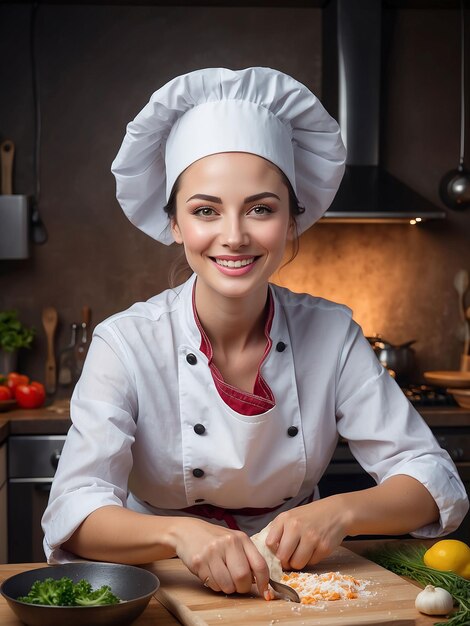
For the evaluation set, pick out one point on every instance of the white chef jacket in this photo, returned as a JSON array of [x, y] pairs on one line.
[[146, 384]]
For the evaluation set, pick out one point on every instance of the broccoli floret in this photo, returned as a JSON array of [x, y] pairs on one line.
[[82, 588], [63, 592], [51, 592], [103, 595]]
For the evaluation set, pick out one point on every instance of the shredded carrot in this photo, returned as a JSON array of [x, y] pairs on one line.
[[329, 586]]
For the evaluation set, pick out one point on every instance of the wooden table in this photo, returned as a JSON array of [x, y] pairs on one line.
[[156, 614]]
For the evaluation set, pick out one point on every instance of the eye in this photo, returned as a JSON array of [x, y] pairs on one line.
[[260, 209], [205, 211]]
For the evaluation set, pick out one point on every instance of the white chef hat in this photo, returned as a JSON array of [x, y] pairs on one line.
[[257, 110]]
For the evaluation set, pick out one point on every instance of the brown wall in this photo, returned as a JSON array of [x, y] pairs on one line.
[[99, 65]]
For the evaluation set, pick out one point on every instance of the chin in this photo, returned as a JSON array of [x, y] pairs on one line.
[[238, 290]]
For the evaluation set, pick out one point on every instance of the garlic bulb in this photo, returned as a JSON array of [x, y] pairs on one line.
[[434, 601]]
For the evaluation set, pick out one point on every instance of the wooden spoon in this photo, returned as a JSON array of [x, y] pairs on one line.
[[49, 321]]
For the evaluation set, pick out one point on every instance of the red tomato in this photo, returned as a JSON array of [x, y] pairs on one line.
[[5, 393], [14, 379], [30, 396]]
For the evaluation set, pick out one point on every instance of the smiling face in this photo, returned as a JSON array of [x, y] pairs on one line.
[[232, 217]]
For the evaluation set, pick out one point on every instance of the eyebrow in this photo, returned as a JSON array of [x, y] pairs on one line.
[[257, 196]]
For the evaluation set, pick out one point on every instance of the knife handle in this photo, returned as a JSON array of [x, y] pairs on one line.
[[7, 152], [86, 315]]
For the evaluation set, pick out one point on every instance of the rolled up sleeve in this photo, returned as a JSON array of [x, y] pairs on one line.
[[388, 437], [96, 459]]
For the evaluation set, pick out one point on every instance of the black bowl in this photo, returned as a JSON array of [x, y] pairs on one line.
[[135, 586]]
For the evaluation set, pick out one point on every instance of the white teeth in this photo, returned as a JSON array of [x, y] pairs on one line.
[[234, 263]]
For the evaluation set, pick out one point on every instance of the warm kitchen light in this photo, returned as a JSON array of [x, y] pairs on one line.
[[355, 217]]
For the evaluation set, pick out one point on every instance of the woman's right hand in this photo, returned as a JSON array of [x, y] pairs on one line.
[[225, 560]]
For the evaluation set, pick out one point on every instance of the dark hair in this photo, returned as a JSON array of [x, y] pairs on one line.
[[180, 270]]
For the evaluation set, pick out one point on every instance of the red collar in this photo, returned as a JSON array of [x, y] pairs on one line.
[[262, 399]]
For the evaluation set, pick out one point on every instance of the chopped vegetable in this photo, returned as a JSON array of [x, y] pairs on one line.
[[51, 592], [313, 588], [408, 561], [63, 592], [86, 596]]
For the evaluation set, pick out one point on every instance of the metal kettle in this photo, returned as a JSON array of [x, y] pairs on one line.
[[399, 360]]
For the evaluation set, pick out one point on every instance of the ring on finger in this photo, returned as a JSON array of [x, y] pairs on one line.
[[206, 581]]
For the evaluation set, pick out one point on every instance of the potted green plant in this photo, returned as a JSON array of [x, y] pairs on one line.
[[13, 336]]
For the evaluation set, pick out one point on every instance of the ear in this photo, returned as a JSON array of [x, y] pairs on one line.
[[291, 231], [175, 231]]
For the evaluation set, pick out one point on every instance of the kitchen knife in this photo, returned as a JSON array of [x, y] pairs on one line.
[[81, 347], [67, 359]]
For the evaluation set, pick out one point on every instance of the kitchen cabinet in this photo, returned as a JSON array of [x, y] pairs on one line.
[[32, 461], [24, 491], [3, 504]]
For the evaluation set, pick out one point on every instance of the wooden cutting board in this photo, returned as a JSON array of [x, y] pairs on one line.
[[391, 599]]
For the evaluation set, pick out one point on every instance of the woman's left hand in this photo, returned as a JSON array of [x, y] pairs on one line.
[[308, 533]]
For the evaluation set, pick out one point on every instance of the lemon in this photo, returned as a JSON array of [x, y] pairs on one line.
[[449, 555]]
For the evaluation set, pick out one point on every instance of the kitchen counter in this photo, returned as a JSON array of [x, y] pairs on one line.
[[49, 420], [445, 417], [157, 614]]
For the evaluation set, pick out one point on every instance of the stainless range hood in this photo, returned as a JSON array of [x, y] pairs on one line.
[[352, 34]]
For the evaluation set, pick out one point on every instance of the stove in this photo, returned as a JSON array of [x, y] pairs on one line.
[[428, 395]]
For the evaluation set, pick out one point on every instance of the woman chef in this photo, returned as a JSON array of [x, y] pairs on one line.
[[214, 408]]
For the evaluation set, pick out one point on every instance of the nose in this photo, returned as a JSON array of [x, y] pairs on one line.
[[234, 232]]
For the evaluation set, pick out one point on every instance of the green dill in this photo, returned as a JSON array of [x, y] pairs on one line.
[[408, 561]]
